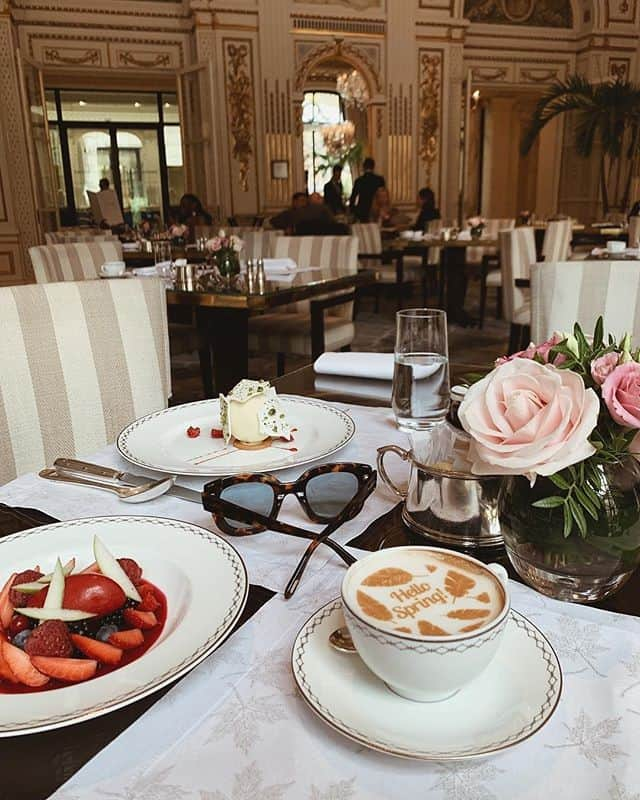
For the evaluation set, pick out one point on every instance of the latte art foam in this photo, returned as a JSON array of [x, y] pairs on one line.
[[425, 593]]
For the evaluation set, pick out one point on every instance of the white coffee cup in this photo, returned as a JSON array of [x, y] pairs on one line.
[[615, 246], [419, 667], [111, 269]]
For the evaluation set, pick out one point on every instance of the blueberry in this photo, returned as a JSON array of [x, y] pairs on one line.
[[105, 632], [20, 639]]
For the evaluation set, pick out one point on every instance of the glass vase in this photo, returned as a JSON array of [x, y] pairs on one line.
[[577, 568]]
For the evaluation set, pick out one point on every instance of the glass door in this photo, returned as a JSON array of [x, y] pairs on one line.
[[140, 175], [90, 160]]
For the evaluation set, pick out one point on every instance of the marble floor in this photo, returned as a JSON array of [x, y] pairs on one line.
[[374, 332]]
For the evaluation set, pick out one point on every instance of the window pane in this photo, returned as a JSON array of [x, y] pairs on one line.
[[58, 168], [89, 153], [139, 172], [170, 110], [50, 98], [81, 106], [175, 167]]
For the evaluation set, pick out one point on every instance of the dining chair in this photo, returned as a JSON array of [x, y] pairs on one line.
[[71, 235], [259, 243], [557, 240], [489, 260], [305, 328], [634, 232], [517, 254], [565, 292], [72, 262], [79, 360]]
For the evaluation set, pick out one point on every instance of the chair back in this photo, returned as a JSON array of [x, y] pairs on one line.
[[259, 243], [79, 361], [369, 241], [634, 231], [71, 235], [337, 254], [557, 239], [72, 262], [566, 292], [491, 230], [517, 254]]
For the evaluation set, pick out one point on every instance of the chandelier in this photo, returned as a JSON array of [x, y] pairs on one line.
[[338, 139], [352, 89]]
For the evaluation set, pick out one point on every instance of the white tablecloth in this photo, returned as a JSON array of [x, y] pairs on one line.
[[235, 728]]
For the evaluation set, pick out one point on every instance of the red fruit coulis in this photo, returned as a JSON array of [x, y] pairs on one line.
[[150, 637]]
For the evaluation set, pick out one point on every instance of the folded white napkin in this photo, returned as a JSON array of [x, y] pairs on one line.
[[356, 387], [150, 272], [279, 266], [378, 366], [465, 236]]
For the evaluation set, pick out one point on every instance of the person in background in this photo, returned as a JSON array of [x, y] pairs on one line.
[[285, 220], [192, 214], [333, 191], [104, 184], [316, 219], [635, 209], [385, 214], [364, 190], [428, 210]]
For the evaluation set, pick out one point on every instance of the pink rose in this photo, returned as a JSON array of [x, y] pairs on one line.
[[621, 394], [603, 366], [541, 350], [526, 418]]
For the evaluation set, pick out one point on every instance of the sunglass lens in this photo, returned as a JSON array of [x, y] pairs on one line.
[[328, 493], [256, 496]]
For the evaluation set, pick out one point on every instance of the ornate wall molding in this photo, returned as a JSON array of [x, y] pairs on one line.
[[542, 13], [481, 74], [539, 75], [338, 48], [240, 104], [127, 58], [430, 88], [53, 55], [362, 27]]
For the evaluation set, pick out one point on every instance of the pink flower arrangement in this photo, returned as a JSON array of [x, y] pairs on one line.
[[560, 409], [219, 244]]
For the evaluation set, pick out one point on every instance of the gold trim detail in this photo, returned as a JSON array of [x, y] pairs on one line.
[[539, 76], [129, 60], [240, 107], [430, 83], [89, 57], [337, 48], [489, 74]]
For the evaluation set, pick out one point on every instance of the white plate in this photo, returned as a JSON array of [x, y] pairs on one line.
[[205, 583], [159, 441], [511, 700]]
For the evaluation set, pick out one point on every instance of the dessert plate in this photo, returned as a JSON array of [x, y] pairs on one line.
[[511, 700], [159, 441], [185, 561]]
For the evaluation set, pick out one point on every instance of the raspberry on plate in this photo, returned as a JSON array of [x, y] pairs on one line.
[[132, 569], [50, 639], [19, 599]]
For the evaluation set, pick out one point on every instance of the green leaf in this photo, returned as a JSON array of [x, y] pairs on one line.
[[568, 521], [578, 516], [585, 502], [549, 502], [559, 481], [598, 334], [589, 491]]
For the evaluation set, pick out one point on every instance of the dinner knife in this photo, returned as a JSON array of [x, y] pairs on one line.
[[76, 467]]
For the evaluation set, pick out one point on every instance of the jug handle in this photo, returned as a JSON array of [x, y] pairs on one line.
[[405, 455]]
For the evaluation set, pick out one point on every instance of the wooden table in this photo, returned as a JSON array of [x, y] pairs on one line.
[[222, 317]]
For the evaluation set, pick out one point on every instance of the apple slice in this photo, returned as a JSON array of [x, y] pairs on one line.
[[63, 614], [67, 569], [56, 588], [6, 609], [110, 567], [29, 588]]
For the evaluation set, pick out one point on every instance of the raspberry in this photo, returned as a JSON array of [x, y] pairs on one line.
[[50, 639], [149, 601], [19, 599], [193, 432], [132, 569], [216, 433]]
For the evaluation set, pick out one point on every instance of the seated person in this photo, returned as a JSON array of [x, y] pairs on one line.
[[192, 213], [285, 220], [428, 210], [316, 219], [382, 212]]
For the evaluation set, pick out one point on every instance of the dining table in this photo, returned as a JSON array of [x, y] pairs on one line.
[[235, 727]]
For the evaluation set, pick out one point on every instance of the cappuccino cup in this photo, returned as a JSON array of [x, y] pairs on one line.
[[615, 246], [112, 269], [425, 620]]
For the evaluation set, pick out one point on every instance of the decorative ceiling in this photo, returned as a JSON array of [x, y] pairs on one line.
[[542, 13]]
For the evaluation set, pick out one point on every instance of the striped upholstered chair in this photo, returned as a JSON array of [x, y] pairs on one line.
[[557, 240], [563, 293], [259, 243], [517, 254], [79, 360], [72, 235], [489, 260], [72, 262], [634, 231], [306, 328]]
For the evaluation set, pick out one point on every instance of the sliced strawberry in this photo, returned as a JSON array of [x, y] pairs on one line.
[[6, 609], [140, 619], [101, 651], [20, 664], [149, 602], [71, 670], [91, 568], [127, 640], [5, 670]]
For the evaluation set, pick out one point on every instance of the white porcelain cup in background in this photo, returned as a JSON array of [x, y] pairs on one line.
[[422, 668], [112, 269], [615, 246]]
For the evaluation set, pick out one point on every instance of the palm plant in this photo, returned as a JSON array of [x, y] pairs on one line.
[[605, 113]]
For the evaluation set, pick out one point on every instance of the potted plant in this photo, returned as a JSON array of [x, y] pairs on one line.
[[561, 422], [606, 115]]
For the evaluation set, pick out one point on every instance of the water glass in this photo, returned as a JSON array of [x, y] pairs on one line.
[[420, 394]]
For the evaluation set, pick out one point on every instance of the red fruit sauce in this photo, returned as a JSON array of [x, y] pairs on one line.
[[150, 637]]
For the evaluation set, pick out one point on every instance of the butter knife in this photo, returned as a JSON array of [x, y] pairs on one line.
[[75, 467]]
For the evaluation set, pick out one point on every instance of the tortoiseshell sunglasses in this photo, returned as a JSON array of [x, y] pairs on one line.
[[246, 504]]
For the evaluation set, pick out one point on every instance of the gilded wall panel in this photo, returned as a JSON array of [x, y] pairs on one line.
[[401, 143], [240, 103], [430, 111], [542, 13]]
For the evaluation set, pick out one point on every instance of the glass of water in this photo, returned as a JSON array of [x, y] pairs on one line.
[[420, 397]]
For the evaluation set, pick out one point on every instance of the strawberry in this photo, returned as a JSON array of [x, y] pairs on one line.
[[71, 670], [140, 619], [50, 639], [100, 651], [127, 640], [216, 433], [5, 671], [6, 607], [132, 569], [149, 601], [20, 665], [193, 432], [19, 599]]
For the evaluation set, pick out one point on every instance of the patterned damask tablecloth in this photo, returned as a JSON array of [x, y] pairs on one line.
[[236, 728]]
